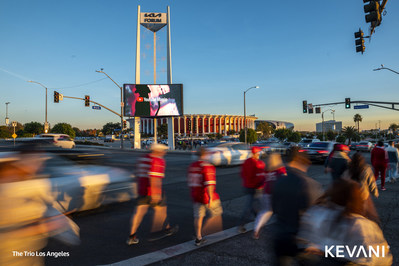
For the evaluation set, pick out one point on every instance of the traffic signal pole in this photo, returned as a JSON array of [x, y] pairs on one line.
[[83, 99]]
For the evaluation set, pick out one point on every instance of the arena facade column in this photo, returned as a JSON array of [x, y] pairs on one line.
[[178, 126], [185, 125], [203, 125], [220, 125], [196, 125]]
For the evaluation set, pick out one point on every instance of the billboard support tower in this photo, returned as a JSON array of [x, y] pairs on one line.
[[153, 22]]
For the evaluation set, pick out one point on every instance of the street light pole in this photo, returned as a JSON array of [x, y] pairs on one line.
[[245, 113], [122, 103], [45, 123], [7, 120], [382, 67]]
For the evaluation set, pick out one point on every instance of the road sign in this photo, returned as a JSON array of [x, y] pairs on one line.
[[14, 136], [96, 107], [364, 106], [14, 124]]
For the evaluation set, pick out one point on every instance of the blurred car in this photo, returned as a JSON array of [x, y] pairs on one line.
[[269, 147], [59, 140], [352, 146], [304, 143], [85, 187], [319, 151], [364, 146], [228, 153]]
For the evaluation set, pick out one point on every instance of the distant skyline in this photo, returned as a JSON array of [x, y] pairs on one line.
[[292, 50]]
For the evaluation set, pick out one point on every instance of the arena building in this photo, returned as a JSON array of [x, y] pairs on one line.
[[199, 124]]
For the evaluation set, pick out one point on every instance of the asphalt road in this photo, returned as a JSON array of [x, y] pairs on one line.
[[104, 231]]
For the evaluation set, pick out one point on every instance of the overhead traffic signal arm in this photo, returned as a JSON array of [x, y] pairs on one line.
[[90, 101]]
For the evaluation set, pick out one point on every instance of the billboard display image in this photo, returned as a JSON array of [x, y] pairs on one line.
[[153, 100]]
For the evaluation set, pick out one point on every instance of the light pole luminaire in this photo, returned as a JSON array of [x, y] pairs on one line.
[[245, 113], [382, 67], [122, 103], [7, 119], [45, 123]]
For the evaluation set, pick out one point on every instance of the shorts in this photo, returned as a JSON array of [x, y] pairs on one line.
[[146, 200], [201, 209]]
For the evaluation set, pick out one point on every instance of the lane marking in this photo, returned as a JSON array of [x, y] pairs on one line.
[[182, 248]]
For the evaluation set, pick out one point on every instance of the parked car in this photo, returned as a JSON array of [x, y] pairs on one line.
[[228, 153], [319, 151], [364, 146], [59, 140]]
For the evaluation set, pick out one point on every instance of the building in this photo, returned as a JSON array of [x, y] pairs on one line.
[[276, 124], [335, 126], [199, 124]]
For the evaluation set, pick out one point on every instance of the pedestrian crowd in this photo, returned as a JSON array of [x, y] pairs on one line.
[[306, 220]]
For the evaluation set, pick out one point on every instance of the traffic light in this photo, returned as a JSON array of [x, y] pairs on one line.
[[359, 41], [305, 106], [347, 103], [373, 12], [124, 124], [87, 100], [318, 110], [56, 97]]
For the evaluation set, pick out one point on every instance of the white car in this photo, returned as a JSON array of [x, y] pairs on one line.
[[59, 140], [84, 187], [228, 153]]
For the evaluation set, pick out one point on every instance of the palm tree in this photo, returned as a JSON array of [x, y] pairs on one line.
[[358, 118], [349, 133]]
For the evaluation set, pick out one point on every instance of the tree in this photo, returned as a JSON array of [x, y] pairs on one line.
[[251, 136], [341, 139], [357, 118], [5, 132], [282, 133], [63, 128], [394, 127], [109, 127], [349, 133], [265, 128], [34, 128], [78, 132], [294, 137], [162, 130], [331, 135]]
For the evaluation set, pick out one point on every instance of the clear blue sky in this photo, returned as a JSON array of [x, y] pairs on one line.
[[293, 50]]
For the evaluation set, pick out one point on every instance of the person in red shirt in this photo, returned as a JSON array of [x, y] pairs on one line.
[[379, 160], [274, 170], [252, 174], [202, 183], [150, 173]]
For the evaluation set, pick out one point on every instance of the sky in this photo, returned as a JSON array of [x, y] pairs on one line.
[[293, 50]]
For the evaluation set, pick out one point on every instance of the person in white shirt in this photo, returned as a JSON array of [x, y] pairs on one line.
[[393, 159]]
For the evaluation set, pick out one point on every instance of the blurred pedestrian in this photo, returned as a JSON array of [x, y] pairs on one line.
[[362, 173], [379, 160], [253, 178], [329, 157], [339, 161], [24, 203], [338, 221], [202, 183], [291, 196], [150, 173], [393, 159], [274, 170]]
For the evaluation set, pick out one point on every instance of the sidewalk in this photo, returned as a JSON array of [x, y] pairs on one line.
[[231, 248]]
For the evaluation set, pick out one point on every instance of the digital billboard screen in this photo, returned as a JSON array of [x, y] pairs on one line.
[[153, 100]]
